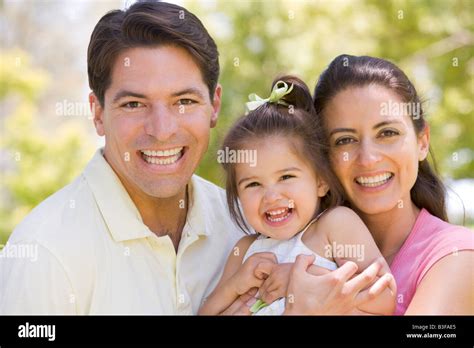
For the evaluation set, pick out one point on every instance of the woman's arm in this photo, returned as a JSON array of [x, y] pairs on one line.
[[350, 240], [238, 278], [456, 298]]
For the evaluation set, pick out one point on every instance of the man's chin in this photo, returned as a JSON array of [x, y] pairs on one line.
[[165, 188]]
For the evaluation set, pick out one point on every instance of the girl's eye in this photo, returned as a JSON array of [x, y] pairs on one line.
[[344, 141], [388, 133], [287, 176], [132, 105], [186, 101], [252, 184]]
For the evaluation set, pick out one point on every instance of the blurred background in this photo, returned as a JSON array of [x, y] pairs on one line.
[[46, 130]]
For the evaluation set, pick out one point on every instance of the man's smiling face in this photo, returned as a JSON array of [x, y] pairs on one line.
[[156, 118]]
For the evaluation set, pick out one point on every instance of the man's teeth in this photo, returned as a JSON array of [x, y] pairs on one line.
[[372, 181], [167, 156], [278, 215]]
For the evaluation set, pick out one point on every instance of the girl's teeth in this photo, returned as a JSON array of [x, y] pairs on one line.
[[272, 216]]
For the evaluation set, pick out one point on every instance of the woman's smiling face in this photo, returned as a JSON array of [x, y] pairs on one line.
[[374, 148]]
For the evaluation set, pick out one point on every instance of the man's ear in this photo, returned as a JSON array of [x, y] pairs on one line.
[[97, 114], [216, 105], [323, 188], [424, 143]]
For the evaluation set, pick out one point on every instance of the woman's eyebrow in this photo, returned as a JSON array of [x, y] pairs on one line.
[[352, 130], [386, 123], [342, 130]]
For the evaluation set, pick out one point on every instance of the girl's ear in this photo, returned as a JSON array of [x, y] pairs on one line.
[[323, 188], [423, 143]]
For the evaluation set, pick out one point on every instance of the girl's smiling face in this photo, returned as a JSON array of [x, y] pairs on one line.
[[281, 193], [374, 148]]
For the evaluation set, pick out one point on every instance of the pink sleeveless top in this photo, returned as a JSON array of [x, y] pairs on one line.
[[430, 240]]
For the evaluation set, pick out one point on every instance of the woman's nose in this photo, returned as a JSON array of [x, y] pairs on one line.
[[161, 123], [369, 154]]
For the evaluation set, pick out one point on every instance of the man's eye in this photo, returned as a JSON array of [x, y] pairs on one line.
[[186, 101], [344, 141], [388, 133], [132, 105], [252, 184], [287, 176]]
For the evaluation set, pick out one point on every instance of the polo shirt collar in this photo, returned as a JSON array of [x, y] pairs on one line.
[[117, 208], [120, 213]]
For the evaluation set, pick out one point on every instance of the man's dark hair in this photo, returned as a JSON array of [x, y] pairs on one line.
[[149, 24]]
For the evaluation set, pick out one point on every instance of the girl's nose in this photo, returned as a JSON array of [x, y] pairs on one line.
[[271, 195]]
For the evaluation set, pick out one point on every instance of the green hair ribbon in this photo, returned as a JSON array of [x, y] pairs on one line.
[[258, 306], [280, 89]]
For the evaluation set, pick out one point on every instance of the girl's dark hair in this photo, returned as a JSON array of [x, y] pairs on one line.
[[352, 71], [296, 120]]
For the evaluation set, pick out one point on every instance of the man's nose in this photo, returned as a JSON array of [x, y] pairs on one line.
[[369, 154], [161, 123]]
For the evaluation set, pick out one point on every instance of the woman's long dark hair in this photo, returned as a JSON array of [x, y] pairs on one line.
[[357, 71]]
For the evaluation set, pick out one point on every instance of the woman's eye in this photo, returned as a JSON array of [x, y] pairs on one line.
[[388, 133], [287, 176], [132, 105], [186, 101], [252, 184], [344, 141]]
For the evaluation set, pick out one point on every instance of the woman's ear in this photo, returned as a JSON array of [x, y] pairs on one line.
[[424, 143], [323, 188]]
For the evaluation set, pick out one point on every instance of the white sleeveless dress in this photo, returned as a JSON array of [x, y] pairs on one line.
[[286, 251]]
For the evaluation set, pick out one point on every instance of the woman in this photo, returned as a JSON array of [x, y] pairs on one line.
[[378, 143]]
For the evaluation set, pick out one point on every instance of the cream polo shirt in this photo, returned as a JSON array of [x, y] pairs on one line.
[[85, 250]]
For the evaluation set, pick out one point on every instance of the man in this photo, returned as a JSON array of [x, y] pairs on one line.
[[136, 232]]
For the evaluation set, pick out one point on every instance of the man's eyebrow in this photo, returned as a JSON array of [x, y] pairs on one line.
[[190, 90], [125, 93]]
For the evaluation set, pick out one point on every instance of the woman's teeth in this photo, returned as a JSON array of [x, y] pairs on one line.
[[373, 181], [165, 157], [278, 214]]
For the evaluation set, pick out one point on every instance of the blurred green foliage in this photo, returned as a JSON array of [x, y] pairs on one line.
[[34, 163]]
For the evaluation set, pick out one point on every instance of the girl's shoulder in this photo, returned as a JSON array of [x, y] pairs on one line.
[[332, 223], [243, 245], [337, 217]]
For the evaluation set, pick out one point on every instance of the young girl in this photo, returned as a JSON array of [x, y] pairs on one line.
[[290, 199]]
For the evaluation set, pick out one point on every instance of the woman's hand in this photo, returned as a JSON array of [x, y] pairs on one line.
[[276, 285], [332, 293], [243, 303], [253, 272]]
